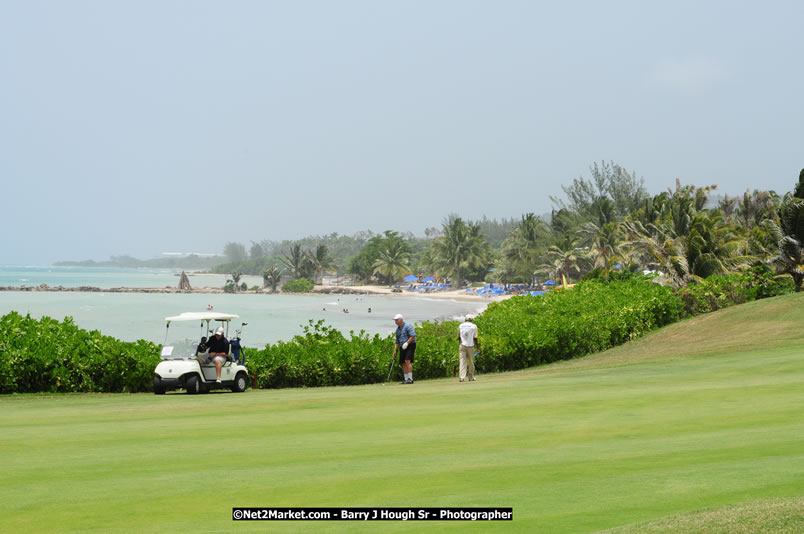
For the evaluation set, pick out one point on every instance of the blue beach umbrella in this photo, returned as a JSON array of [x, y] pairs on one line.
[[428, 279], [411, 278], [549, 283]]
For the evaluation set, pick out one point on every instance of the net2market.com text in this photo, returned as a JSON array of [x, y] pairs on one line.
[[372, 514]]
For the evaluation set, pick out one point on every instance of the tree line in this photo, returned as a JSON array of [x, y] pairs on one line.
[[607, 221]]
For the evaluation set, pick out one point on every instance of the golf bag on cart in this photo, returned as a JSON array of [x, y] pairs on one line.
[[238, 354], [237, 351]]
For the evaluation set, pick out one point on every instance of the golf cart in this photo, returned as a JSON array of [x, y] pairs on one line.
[[183, 364]]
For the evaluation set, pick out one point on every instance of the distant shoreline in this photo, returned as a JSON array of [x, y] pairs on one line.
[[318, 290]]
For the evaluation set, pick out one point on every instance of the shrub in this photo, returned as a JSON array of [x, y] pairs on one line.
[[526, 331], [321, 356], [717, 292], [46, 355], [300, 285]]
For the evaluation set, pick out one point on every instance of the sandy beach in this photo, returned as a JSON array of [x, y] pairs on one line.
[[457, 294]]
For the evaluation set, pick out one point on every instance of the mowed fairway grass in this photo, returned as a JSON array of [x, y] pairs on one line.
[[704, 415]]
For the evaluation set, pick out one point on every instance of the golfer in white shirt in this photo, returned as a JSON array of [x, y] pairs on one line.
[[467, 334]]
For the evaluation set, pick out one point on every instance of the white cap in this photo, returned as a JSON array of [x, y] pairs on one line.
[[219, 331], [469, 317], [397, 316]]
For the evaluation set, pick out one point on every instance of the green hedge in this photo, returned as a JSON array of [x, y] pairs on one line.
[[46, 355], [321, 356], [594, 316], [516, 333]]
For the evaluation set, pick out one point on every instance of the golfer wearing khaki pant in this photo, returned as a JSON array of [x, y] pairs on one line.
[[467, 334]]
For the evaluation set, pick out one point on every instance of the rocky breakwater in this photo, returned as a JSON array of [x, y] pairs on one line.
[[93, 289]]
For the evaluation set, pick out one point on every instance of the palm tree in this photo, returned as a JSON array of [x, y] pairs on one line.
[[728, 206], [762, 242], [685, 242], [294, 260], [236, 276], [713, 247], [564, 258], [603, 210], [271, 277], [392, 260], [798, 192], [658, 249], [789, 233], [461, 248], [522, 248], [322, 261], [604, 243], [757, 206], [308, 266]]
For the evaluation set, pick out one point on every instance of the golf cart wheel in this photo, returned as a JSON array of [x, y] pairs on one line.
[[159, 389], [240, 383], [192, 385]]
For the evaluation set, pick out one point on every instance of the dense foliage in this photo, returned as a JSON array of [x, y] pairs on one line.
[[301, 285], [526, 331], [717, 292], [321, 356], [45, 355], [384, 256], [517, 333]]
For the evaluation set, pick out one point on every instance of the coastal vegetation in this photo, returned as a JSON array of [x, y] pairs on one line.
[[46, 355], [606, 309], [607, 221], [699, 256], [462, 248], [271, 277], [189, 262], [299, 285]]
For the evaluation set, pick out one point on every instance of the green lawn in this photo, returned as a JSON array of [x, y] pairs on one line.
[[700, 421]]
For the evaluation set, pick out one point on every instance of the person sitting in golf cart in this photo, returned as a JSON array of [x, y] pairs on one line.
[[218, 351]]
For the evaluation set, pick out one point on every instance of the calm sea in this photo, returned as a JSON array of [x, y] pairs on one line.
[[105, 278], [270, 318]]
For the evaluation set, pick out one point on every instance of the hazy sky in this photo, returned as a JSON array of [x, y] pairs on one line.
[[142, 127]]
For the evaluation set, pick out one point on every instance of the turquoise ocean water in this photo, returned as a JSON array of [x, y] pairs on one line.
[[33, 276], [270, 318]]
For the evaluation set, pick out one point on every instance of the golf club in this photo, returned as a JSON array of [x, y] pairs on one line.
[[390, 370]]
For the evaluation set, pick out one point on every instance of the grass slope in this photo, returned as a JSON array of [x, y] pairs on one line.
[[703, 414], [766, 515]]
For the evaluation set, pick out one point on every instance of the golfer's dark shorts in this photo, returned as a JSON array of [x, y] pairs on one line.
[[407, 354]]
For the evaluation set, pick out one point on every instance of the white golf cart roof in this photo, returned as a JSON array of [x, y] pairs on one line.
[[202, 316]]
